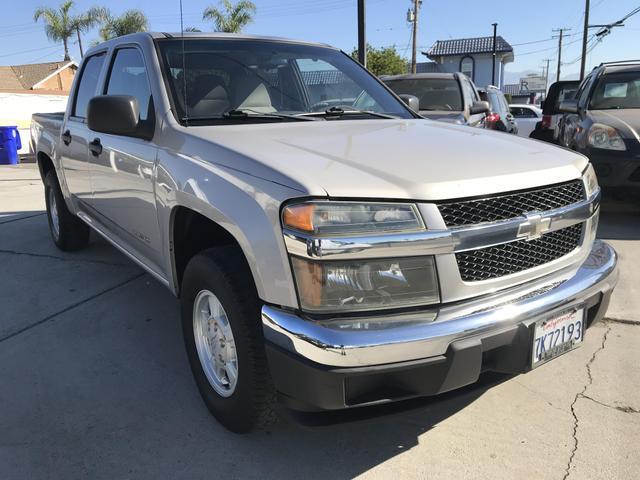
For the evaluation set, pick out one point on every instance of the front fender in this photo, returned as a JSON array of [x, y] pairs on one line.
[[245, 206]]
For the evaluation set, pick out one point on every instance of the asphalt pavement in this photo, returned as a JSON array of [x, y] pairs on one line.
[[94, 383]]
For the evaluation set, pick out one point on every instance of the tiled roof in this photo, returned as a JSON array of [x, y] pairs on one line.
[[24, 77], [462, 46], [8, 79], [512, 89]]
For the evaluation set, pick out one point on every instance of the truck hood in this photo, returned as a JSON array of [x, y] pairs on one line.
[[395, 159]]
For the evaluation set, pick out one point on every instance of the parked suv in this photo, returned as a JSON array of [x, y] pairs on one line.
[[603, 123], [499, 117], [446, 97], [548, 129]]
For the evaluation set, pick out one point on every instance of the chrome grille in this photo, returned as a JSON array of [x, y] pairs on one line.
[[508, 258], [511, 205]]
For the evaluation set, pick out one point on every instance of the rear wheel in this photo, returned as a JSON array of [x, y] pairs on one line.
[[68, 232], [223, 339]]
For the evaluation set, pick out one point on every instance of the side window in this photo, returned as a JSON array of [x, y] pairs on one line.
[[466, 66], [583, 92], [128, 76], [88, 84]]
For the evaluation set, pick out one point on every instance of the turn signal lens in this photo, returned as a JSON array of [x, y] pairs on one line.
[[299, 217]]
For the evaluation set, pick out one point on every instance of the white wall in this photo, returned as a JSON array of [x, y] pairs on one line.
[[482, 68], [17, 108]]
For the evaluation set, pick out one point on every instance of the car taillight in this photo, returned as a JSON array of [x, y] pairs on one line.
[[546, 121], [491, 120]]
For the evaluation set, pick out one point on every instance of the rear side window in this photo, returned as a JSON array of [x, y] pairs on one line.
[[522, 112], [88, 84], [128, 76]]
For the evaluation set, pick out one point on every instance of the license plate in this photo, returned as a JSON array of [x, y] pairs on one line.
[[557, 335]]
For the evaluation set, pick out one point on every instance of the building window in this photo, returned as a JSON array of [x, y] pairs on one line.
[[466, 66]]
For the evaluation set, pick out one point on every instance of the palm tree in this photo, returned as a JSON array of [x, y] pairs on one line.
[[131, 21], [58, 24], [230, 18], [85, 21]]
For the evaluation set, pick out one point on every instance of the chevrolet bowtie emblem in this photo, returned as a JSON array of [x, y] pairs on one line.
[[534, 226]]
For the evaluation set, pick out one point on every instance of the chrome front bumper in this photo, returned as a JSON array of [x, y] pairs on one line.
[[387, 339]]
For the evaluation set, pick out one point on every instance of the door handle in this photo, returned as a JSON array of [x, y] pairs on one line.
[[95, 147], [66, 137]]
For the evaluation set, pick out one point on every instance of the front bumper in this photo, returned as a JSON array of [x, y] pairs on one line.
[[338, 364], [616, 169]]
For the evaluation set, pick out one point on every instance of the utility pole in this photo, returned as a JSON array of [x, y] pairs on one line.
[[493, 54], [561, 30], [585, 31], [362, 37], [546, 74], [413, 17]]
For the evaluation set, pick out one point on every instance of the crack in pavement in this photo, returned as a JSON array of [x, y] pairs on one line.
[[624, 409], [633, 323], [582, 395], [54, 257], [70, 307], [21, 218]]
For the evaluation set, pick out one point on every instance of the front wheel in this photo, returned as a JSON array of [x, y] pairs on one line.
[[223, 339]]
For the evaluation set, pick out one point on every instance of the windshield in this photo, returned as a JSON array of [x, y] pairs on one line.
[[433, 93], [617, 91], [267, 79]]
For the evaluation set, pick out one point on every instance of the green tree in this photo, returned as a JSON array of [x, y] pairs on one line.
[[131, 21], [84, 22], [230, 18], [383, 61], [58, 24]]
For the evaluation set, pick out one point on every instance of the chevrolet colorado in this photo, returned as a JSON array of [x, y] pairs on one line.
[[330, 248]]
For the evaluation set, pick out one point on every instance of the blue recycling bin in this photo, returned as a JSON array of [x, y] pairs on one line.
[[9, 145]]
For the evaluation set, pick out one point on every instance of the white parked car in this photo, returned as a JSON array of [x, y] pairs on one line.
[[527, 116]]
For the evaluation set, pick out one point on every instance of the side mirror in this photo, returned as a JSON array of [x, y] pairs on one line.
[[411, 100], [569, 106], [479, 107], [115, 114]]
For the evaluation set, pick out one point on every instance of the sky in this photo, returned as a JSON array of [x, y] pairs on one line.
[[528, 26]]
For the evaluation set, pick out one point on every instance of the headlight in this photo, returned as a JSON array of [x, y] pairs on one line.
[[606, 137], [590, 180], [344, 218], [335, 286], [352, 285]]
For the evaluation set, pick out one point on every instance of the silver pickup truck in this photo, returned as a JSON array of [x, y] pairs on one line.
[[330, 248]]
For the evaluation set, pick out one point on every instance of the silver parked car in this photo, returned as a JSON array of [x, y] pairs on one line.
[[446, 97]]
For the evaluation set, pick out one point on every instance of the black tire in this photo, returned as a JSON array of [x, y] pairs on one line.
[[224, 272], [72, 233]]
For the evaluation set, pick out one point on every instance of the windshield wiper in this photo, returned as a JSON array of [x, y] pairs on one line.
[[248, 113], [339, 112]]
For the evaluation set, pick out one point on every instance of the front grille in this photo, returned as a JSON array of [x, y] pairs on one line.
[[508, 258], [511, 205]]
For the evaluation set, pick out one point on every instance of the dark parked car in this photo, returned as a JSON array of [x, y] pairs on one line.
[[603, 123], [447, 97], [500, 117], [548, 128]]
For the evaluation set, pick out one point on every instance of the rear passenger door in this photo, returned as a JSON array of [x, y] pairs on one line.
[[123, 173], [73, 144]]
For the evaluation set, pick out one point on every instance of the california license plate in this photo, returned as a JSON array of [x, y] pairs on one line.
[[557, 335]]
